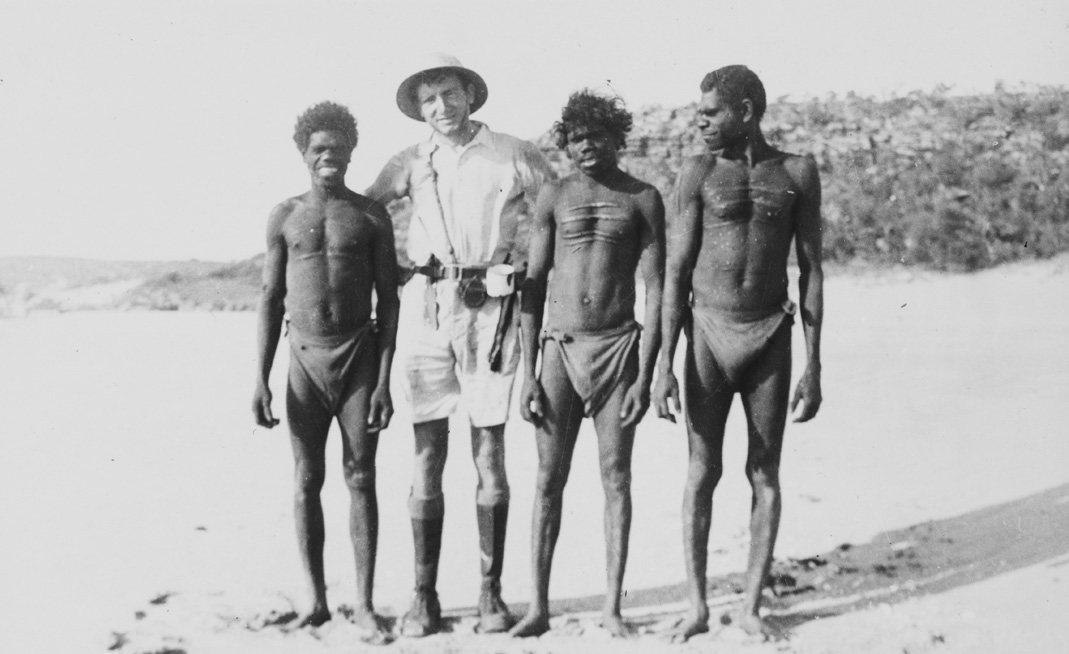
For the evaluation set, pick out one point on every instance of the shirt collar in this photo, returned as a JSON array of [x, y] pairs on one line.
[[482, 137]]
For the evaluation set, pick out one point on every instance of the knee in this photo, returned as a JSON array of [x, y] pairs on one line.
[[491, 470], [704, 475], [426, 483], [426, 508], [550, 483], [427, 470], [492, 490], [763, 473], [308, 479], [359, 475], [616, 480]]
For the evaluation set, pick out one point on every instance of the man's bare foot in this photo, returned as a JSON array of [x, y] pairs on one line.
[[535, 623], [692, 625], [755, 626], [371, 625], [615, 625], [316, 616]]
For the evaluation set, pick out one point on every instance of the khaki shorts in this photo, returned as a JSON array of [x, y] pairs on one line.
[[449, 362]]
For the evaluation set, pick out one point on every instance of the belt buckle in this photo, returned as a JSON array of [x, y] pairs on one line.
[[452, 273]]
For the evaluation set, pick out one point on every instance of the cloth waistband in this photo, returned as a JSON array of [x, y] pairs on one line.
[[550, 334], [328, 340], [787, 306]]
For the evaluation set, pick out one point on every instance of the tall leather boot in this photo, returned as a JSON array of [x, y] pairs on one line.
[[493, 612], [424, 616]]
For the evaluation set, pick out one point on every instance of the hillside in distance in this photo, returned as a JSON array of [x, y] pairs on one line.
[[928, 180], [70, 284]]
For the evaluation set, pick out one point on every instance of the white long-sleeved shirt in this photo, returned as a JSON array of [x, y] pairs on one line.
[[487, 189]]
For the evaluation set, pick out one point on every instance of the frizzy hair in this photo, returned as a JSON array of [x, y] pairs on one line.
[[737, 83], [588, 109], [325, 116]]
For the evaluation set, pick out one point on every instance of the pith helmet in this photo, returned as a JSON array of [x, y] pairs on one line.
[[406, 92]]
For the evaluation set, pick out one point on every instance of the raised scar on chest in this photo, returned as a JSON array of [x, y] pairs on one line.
[[595, 221], [763, 199]]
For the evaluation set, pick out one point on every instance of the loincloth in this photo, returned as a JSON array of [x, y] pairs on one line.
[[326, 364], [595, 361], [737, 340]]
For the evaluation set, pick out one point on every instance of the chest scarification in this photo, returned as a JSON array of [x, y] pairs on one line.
[[607, 222]]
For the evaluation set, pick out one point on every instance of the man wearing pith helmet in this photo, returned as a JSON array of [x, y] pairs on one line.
[[471, 191]]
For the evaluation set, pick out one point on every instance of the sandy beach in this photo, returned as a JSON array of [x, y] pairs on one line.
[[926, 509]]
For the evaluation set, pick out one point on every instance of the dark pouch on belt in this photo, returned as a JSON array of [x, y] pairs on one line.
[[473, 292]]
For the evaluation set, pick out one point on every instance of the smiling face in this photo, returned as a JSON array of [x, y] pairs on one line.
[[721, 124], [592, 148], [446, 104], [327, 157]]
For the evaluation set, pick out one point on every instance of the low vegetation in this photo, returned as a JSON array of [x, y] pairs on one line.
[[931, 179]]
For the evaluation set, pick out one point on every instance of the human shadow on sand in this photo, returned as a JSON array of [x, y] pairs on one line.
[[926, 558]]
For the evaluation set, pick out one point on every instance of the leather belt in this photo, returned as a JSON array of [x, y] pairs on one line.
[[450, 272], [461, 272]]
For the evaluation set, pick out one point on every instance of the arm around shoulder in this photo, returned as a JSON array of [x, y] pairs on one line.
[[392, 181], [538, 170]]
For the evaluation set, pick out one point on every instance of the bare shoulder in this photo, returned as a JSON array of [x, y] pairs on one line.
[[643, 188], [803, 170], [282, 211], [645, 195], [371, 209], [699, 163], [696, 168]]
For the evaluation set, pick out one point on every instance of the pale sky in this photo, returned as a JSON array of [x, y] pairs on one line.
[[162, 130]]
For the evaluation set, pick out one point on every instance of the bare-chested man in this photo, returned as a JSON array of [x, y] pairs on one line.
[[590, 228], [739, 206], [327, 250]]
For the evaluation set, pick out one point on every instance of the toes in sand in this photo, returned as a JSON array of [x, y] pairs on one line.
[[754, 626], [615, 625], [312, 618], [692, 626], [532, 624], [373, 630]]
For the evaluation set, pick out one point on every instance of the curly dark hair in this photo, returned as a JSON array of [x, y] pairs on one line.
[[737, 83], [588, 109], [325, 116]]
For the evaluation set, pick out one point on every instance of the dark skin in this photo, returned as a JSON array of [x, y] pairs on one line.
[[328, 250], [594, 254], [740, 205]]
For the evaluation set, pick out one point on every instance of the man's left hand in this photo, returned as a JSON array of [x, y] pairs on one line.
[[807, 394], [636, 402], [381, 410]]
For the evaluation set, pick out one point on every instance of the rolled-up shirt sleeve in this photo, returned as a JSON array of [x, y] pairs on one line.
[[392, 182], [533, 170]]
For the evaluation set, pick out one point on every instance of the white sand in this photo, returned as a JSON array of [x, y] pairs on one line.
[[131, 468]]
